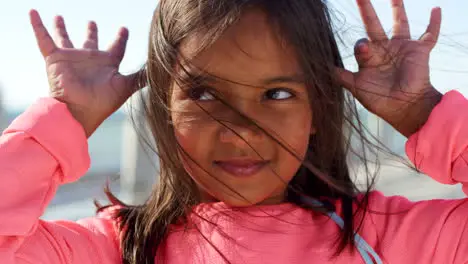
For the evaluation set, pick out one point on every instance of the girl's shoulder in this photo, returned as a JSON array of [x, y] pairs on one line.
[[387, 214], [377, 199], [104, 224]]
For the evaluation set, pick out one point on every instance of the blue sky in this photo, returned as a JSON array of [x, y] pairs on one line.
[[22, 71]]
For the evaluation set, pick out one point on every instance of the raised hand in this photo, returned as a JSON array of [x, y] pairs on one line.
[[393, 79], [86, 79]]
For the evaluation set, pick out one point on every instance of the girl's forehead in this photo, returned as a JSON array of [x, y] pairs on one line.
[[249, 51]]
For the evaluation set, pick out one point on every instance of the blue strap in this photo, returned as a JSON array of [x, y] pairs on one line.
[[362, 246]]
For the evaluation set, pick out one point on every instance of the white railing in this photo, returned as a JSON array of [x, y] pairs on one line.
[[139, 162]]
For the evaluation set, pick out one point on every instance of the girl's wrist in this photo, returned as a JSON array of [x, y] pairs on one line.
[[89, 126], [418, 112]]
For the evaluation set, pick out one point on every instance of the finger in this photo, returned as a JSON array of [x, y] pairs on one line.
[[371, 21], [63, 40], [433, 30], [346, 79], [44, 40], [401, 27], [136, 81], [92, 37], [117, 49], [368, 55], [362, 51]]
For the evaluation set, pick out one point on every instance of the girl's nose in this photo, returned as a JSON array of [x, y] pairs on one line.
[[241, 135]]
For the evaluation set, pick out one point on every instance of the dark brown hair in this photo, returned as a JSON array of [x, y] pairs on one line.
[[307, 26]]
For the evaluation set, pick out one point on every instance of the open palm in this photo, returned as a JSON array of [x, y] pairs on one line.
[[86, 79], [393, 73]]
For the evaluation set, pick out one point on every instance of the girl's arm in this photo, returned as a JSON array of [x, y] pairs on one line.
[[43, 148], [393, 82], [433, 231], [440, 147]]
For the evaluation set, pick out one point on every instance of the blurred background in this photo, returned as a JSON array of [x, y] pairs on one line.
[[130, 168]]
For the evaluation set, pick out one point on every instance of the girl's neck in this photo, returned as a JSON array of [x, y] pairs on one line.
[[273, 200]]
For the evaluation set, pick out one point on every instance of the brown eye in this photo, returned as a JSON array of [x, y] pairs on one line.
[[200, 94], [278, 94]]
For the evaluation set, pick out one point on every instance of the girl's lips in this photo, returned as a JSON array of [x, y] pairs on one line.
[[241, 168]]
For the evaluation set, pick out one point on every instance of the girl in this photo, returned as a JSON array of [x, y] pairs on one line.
[[245, 103]]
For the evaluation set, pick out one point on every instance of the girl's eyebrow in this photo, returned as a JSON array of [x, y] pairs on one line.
[[190, 75], [296, 79]]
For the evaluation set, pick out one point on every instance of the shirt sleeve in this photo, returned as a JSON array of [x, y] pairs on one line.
[[40, 150], [434, 231], [440, 148], [406, 232]]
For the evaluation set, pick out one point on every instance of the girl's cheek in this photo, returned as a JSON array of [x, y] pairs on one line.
[[294, 129], [190, 115], [194, 129], [291, 122]]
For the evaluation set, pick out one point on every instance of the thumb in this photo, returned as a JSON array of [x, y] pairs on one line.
[[362, 52], [346, 79], [136, 81]]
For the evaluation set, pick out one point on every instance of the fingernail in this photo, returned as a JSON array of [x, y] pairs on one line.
[[362, 46]]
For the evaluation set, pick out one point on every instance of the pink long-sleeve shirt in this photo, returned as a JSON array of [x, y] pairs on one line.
[[45, 147]]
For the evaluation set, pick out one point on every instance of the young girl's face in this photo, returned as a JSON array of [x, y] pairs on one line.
[[256, 73]]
